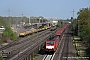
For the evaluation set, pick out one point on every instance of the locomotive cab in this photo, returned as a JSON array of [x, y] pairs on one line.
[[53, 42], [50, 45]]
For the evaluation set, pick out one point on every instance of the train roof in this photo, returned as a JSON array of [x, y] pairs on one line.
[[53, 38], [61, 30]]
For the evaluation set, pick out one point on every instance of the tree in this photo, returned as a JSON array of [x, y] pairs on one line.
[[84, 26], [84, 22]]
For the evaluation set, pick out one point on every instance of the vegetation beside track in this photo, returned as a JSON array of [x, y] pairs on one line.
[[8, 35], [1, 58], [81, 28], [8, 32]]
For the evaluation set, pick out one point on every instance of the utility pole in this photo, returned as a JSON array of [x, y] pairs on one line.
[[22, 16], [9, 12], [9, 15], [72, 21], [73, 12], [78, 27]]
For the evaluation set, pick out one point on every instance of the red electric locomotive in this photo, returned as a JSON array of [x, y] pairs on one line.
[[52, 42]]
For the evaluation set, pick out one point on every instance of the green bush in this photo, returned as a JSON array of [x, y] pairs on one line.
[[9, 33], [1, 58]]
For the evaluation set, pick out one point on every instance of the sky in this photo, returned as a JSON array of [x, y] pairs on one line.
[[46, 8]]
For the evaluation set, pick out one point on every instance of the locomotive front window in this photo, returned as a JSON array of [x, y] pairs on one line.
[[50, 42]]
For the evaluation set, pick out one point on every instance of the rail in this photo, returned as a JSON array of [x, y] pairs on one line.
[[22, 40], [32, 48]]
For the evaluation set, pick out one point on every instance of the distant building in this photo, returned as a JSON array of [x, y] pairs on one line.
[[54, 23], [22, 23]]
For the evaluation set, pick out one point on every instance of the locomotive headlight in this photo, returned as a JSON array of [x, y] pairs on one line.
[[50, 47]]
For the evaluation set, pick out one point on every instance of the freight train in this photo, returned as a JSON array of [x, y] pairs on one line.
[[25, 33], [52, 43]]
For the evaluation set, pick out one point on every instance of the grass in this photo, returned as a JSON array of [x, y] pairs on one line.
[[34, 57], [82, 52], [77, 43], [1, 58], [76, 38]]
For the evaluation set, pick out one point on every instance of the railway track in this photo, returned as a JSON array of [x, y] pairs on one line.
[[58, 53], [63, 46], [67, 50], [22, 45], [48, 57], [22, 40], [31, 49]]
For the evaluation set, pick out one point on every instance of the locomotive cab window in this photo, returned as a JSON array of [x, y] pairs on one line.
[[50, 42]]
